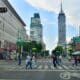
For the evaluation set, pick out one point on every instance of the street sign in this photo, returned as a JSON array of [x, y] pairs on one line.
[[76, 39], [3, 9]]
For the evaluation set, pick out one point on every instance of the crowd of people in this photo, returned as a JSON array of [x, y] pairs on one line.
[[30, 61], [56, 60], [76, 60]]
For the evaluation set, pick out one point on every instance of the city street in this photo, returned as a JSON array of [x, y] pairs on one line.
[[44, 70], [39, 40]]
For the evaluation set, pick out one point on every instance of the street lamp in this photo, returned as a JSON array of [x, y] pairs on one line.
[[20, 41]]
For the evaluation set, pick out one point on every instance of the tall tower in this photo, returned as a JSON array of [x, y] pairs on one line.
[[61, 28], [36, 29]]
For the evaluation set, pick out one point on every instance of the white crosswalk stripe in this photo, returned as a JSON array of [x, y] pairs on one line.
[[41, 67], [52, 67], [65, 67], [46, 67], [78, 67], [59, 67], [71, 67]]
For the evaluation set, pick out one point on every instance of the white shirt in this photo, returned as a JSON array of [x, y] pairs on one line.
[[28, 59]]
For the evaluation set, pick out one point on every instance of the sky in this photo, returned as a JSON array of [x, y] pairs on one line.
[[49, 10]]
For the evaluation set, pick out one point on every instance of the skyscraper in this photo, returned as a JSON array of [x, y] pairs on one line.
[[36, 28], [61, 28]]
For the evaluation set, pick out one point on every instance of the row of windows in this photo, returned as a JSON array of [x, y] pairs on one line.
[[11, 23]]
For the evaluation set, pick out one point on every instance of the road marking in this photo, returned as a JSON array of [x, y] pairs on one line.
[[71, 67], [65, 75], [75, 75], [78, 67], [46, 67], [40, 66], [52, 67], [65, 67], [59, 67], [42, 70]]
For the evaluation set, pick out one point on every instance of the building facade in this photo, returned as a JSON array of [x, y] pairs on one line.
[[61, 28], [75, 43], [36, 29], [11, 27]]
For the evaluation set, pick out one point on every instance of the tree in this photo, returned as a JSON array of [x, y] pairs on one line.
[[58, 50], [32, 47], [70, 51], [72, 45], [46, 53]]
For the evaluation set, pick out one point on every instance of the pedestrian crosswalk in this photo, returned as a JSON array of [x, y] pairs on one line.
[[41, 67]]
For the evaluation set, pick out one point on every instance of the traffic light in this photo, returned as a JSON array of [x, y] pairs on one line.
[[3, 9]]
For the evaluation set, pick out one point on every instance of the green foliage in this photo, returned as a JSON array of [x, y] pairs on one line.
[[70, 50], [29, 46], [45, 53], [32, 46], [58, 50]]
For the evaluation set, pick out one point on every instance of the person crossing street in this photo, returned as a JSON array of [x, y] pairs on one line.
[[29, 62], [54, 57]]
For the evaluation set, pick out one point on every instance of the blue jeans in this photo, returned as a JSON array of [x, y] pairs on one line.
[[19, 63], [29, 64]]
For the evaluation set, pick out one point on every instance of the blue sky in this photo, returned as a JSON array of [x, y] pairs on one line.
[[48, 10]]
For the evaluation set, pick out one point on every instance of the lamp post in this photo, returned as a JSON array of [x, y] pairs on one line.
[[65, 49], [20, 42]]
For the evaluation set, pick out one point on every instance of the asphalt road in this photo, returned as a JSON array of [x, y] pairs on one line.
[[40, 75]]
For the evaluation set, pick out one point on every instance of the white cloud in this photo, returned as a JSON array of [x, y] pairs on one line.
[[27, 30], [50, 43], [47, 22], [49, 5], [71, 8], [68, 39]]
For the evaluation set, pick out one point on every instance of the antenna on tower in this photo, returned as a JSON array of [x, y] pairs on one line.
[[61, 7]]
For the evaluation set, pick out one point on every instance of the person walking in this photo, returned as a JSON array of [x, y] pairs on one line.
[[34, 61], [54, 60], [60, 59], [29, 62], [19, 59], [75, 61]]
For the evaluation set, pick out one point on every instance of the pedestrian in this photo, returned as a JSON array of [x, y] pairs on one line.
[[60, 60], [57, 60], [29, 62], [75, 61], [19, 59], [54, 60], [33, 61]]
